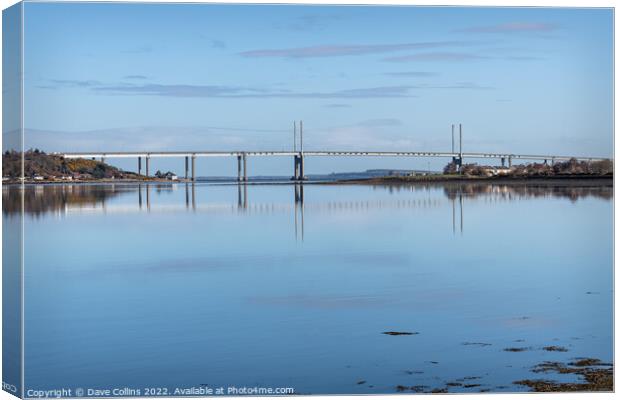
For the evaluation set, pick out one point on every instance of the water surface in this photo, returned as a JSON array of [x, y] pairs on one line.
[[286, 286]]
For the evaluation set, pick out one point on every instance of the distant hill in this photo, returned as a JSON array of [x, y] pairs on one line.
[[331, 177], [39, 165]]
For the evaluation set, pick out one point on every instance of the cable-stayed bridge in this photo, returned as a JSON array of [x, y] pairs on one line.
[[299, 154], [299, 157]]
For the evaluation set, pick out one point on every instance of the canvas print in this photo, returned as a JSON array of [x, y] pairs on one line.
[[230, 199]]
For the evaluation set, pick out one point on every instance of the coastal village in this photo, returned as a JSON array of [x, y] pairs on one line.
[[40, 167]]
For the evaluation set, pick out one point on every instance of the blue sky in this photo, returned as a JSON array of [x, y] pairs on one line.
[[227, 77]]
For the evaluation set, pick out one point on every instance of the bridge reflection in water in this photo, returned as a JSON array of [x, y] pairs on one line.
[[61, 200], [144, 201]]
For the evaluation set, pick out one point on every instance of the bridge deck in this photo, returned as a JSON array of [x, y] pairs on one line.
[[314, 153]]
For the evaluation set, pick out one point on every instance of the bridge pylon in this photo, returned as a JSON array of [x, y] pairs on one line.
[[298, 158]]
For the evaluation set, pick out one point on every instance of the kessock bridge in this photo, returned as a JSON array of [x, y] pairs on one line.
[[299, 154]]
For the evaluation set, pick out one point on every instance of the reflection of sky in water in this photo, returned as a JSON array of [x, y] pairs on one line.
[[218, 287]]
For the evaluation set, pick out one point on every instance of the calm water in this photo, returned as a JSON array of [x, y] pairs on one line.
[[272, 286]]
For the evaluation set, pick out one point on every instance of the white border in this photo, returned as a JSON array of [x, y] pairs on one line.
[[480, 3]]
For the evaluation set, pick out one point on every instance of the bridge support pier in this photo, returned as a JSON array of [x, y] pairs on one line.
[[302, 176], [245, 167], [139, 166], [193, 168], [298, 168], [147, 158], [239, 168], [458, 161], [298, 171], [503, 161], [186, 167], [295, 169], [509, 162]]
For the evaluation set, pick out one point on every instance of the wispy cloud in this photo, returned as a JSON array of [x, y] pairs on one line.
[[421, 74], [347, 50], [458, 85], [379, 133], [178, 90], [69, 83], [136, 77], [524, 58], [436, 56], [381, 91], [152, 138], [250, 92], [237, 92], [513, 27]]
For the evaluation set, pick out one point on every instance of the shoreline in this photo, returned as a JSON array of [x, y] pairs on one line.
[[598, 180]]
